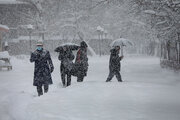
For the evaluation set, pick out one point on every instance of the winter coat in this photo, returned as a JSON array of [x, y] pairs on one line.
[[66, 58], [81, 62], [43, 67], [114, 62]]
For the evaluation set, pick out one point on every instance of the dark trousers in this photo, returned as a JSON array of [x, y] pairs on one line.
[[80, 78], [63, 78], [40, 90], [111, 75]]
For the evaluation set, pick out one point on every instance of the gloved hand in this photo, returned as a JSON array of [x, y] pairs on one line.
[[121, 57]]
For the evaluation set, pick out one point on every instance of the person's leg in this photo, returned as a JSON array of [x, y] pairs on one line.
[[118, 76], [46, 88], [80, 79], [39, 90], [68, 79], [79, 74], [63, 75], [111, 75], [63, 78]]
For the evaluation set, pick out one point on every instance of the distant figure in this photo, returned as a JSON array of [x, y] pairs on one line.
[[81, 62], [43, 68], [66, 57], [114, 64]]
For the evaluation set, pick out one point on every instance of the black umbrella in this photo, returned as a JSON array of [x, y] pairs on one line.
[[69, 46]]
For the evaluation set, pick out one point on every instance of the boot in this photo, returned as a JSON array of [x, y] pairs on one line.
[[40, 93], [39, 90], [68, 84], [108, 80], [80, 79], [46, 87]]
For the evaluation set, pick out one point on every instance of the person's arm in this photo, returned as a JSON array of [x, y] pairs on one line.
[[85, 56], [58, 49], [114, 59], [61, 56], [51, 66], [33, 57], [121, 57]]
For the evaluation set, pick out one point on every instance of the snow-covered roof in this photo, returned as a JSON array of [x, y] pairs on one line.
[[11, 2], [25, 38], [4, 54], [36, 38]]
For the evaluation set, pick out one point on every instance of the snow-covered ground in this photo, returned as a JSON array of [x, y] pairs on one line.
[[147, 93]]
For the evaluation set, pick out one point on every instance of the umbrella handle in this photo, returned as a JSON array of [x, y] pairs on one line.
[[121, 50]]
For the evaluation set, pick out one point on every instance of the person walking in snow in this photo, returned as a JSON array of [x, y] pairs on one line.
[[114, 64], [81, 62], [43, 68], [66, 57]]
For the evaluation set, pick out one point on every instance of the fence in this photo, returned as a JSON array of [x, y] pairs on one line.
[[170, 55]]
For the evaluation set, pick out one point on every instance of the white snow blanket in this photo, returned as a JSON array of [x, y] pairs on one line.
[[4, 54], [147, 93]]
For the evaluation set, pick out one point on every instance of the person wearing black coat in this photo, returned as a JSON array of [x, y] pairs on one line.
[[43, 68], [66, 57], [81, 62], [114, 64]]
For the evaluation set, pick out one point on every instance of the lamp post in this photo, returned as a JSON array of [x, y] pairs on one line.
[[105, 34], [100, 31], [30, 29], [101, 40]]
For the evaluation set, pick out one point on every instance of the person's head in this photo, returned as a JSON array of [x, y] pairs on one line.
[[117, 48], [39, 46], [65, 48], [83, 44]]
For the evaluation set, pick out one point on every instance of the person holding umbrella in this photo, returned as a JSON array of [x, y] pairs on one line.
[[81, 62], [114, 64], [66, 57], [43, 68]]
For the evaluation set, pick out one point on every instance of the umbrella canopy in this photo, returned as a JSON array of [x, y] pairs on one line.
[[71, 46], [121, 42], [4, 28]]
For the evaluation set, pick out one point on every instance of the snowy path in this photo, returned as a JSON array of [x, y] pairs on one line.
[[148, 93]]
